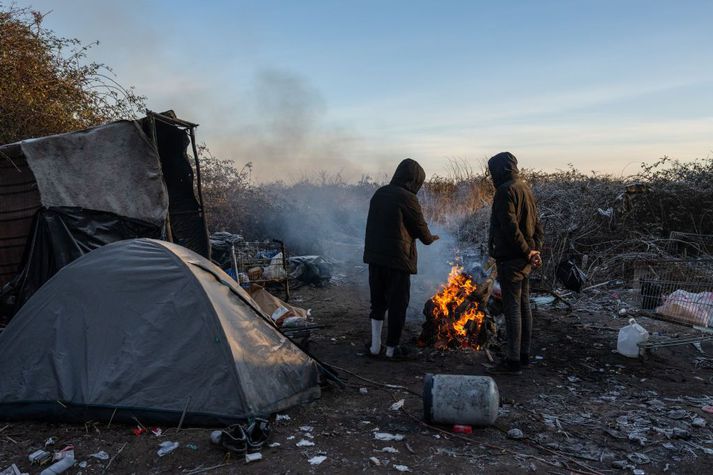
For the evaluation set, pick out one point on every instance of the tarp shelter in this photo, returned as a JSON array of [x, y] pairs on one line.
[[145, 328], [62, 196]]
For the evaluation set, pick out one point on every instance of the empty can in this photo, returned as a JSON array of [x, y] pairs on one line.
[[460, 399]]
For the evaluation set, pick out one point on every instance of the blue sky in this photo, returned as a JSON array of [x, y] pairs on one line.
[[298, 86]]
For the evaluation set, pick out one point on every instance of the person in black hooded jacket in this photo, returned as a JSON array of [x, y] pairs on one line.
[[516, 238], [394, 223]]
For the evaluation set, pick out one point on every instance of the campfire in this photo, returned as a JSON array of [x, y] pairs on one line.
[[455, 316]]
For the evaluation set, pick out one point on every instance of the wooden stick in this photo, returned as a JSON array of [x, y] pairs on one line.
[[139, 423], [183, 415], [376, 383], [201, 470], [108, 426], [112, 459]]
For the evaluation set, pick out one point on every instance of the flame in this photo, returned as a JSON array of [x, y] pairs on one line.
[[453, 311]]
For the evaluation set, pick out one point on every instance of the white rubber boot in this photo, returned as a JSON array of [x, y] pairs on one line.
[[376, 326]]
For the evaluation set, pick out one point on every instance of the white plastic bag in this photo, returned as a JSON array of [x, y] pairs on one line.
[[275, 271], [629, 338]]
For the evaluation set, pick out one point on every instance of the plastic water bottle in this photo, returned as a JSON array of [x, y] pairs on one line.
[[629, 338]]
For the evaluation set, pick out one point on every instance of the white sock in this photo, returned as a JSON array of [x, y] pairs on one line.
[[390, 351], [376, 336]]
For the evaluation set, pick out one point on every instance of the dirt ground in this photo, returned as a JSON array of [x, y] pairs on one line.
[[581, 406]]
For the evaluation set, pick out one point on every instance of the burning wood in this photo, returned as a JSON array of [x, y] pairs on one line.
[[455, 316]]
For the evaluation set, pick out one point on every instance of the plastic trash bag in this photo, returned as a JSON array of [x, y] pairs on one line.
[[571, 276], [314, 270], [275, 271]]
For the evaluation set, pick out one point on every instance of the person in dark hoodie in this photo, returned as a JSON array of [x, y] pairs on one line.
[[516, 238], [394, 223]]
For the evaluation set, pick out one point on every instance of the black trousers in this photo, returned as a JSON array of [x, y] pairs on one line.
[[513, 276], [390, 292]]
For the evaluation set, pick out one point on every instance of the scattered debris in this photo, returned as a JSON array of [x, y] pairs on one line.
[[305, 443], [12, 470], [215, 436], [402, 468], [317, 459], [101, 455], [398, 405], [677, 414], [49, 441], [64, 461], [375, 461], [607, 213], [253, 457], [390, 450], [515, 434], [698, 422], [638, 458], [306, 428], [282, 418], [166, 447], [157, 431], [385, 436], [274, 445], [363, 391], [543, 299], [39, 457]]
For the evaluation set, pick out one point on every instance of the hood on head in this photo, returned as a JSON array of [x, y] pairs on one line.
[[409, 175], [503, 167]]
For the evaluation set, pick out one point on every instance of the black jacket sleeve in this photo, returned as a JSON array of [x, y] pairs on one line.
[[415, 222], [505, 211]]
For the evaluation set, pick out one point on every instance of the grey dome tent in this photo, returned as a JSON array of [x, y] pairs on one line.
[[148, 329]]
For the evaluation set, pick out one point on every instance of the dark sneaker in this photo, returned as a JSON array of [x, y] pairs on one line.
[[234, 439], [400, 354], [524, 360], [506, 367], [369, 354]]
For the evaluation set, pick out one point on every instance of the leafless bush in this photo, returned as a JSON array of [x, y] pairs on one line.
[[600, 221], [47, 83]]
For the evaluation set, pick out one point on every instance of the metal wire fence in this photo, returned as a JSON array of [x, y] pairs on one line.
[[690, 245]]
